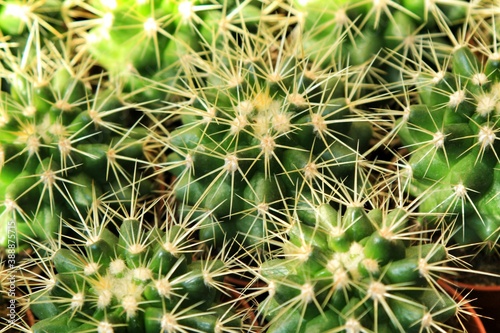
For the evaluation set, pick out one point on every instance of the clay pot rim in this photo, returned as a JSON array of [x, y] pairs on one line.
[[479, 287], [474, 319]]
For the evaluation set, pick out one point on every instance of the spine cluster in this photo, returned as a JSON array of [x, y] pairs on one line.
[[259, 129]]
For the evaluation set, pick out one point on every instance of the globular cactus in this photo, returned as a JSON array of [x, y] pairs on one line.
[[260, 126], [19, 20], [451, 131], [385, 37], [355, 269], [143, 276], [62, 135], [139, 43]]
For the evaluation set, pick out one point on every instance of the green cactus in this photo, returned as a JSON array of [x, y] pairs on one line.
[[131, 278], [451, 133], [62, 135], [260, 126], [139, 43], [385, 37], [356, 270], [152, 151]]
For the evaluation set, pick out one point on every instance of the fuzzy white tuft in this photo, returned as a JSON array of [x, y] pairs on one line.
[[105, 327], [117, 266]]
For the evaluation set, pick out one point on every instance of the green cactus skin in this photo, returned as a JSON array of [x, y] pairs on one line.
[[451, 132], [381, 280]]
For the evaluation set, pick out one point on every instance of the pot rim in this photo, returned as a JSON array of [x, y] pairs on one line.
[[474, 320]]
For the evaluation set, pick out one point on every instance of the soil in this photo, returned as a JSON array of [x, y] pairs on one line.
[[489, 264]]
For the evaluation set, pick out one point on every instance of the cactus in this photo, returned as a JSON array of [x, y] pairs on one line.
[[62, 134], [139, 43], [356, 269], [259, 126], [125, 274], [451, 133], [151, 151], [384, 37]]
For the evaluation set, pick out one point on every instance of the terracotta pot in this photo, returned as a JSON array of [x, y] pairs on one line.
[[486, 300], [472, 323], [232, 284]]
